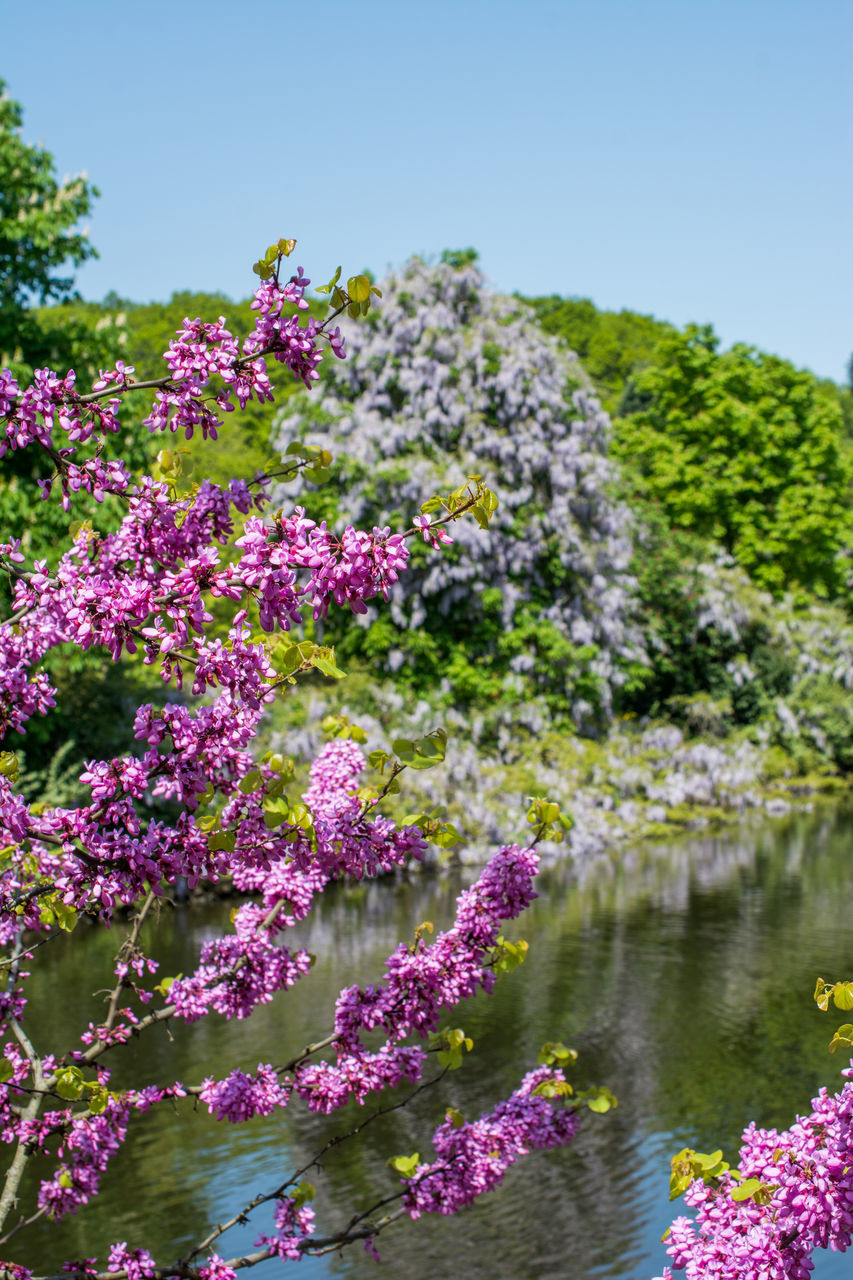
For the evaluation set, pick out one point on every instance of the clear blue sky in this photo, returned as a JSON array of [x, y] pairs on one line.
[[681, 157]]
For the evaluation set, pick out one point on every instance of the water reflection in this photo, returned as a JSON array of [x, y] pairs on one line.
[[683, 976]]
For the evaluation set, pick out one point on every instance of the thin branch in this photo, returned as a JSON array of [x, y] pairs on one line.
[[15, 1172], [25, 1222], [28, 951], [127, 948], [264, 1197]]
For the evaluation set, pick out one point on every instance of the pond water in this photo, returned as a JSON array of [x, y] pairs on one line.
[[683, 975]]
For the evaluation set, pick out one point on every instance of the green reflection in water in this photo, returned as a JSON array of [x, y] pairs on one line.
[[683, 976]]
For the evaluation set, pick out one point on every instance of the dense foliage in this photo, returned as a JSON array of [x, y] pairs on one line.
[[744, 449], [38, 236], [612, 345]]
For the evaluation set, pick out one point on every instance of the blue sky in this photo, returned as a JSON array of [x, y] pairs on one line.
[[689, 159]]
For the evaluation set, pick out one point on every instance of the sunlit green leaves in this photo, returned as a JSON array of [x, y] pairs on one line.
[[506, 956], [841, 994], [752, 1189], [355, 299], [267, 266], [451, 1043], [556, 1055], [843, 1038], [473, 496], [406, 1166], [9, 765], [288, 659], [554, 1088], [597, 1098], [70, 1085], [421, 753], [433, 828], [547, 820], [340, 726], [53, 911], [303, 1193], [687, 1165], [327, 288]]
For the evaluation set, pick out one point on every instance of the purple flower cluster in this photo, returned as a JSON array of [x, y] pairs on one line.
[[138, 1263], [421, 980], [86, 1145], [197, 354], [805, 1175], [473, 1157], [294, 1224], [239, 1097]]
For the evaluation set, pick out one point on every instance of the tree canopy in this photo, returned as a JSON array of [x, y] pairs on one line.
[[39, 234], [743, 448]]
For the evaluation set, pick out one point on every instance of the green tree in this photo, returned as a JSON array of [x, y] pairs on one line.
[[40, 245], [43, 324], [743, 448], [39, 237], [612, 345]]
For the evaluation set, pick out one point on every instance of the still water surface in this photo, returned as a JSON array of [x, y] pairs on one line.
[[683, 977]]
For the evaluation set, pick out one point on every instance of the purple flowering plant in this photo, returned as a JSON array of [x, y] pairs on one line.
[[148, 588]]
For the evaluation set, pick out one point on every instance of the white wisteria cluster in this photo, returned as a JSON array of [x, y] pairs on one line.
[[450, 380]]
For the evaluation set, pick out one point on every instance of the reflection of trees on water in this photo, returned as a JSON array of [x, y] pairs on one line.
[[681, 973]]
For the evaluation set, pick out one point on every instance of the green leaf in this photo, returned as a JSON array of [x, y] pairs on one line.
[[551, 1053], [454, 1118], [843, 995], [69, 1083], [8, 765], [328, 667], [405, 1165], [7, 1070], [747, 1189], [66, 916], [843, 1036], [221, 842], [445, 836], [358, 288], [600, 1100], [286, 658], [822, 992], [554, 1089], [98, 1099]]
